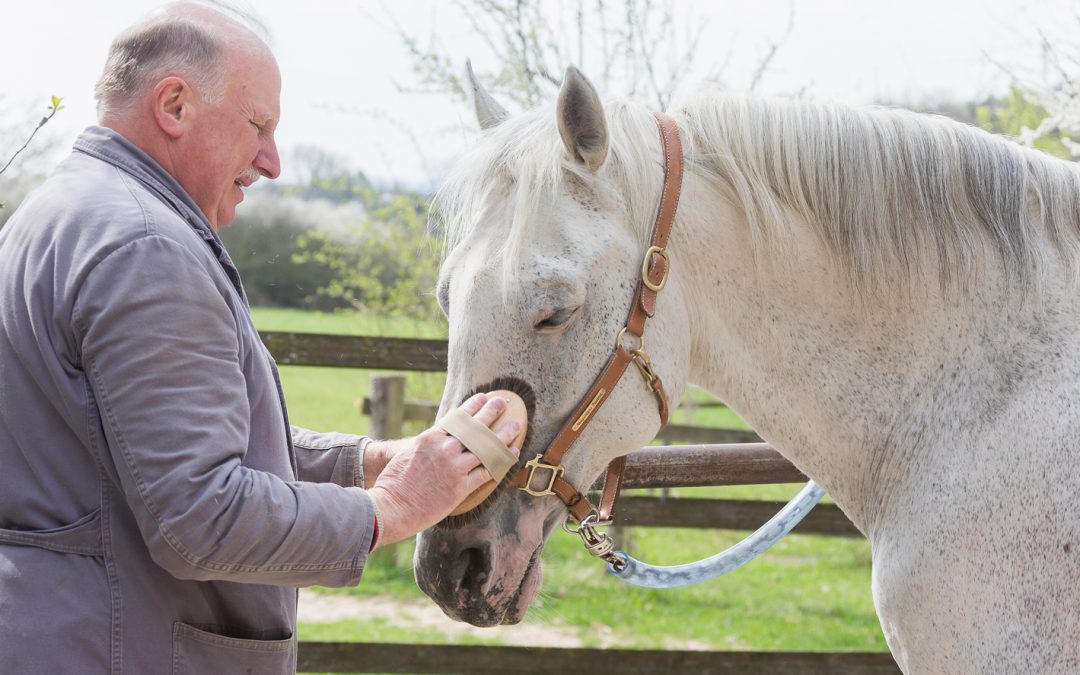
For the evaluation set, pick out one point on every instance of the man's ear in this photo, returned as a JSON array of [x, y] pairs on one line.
[[172, 105]]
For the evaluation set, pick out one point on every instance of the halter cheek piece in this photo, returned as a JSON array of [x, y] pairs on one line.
[[654, 272], [543, 474]]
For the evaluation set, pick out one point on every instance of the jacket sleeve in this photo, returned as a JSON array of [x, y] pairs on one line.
[[329, 457], [160, 347]]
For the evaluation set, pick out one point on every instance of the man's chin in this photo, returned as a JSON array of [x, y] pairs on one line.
[[226, 217]]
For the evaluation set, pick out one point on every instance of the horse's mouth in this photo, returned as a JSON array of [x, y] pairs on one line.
[[531, 580], [515, 608]]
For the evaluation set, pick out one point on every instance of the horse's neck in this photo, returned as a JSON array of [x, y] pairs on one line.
[[853, 395]]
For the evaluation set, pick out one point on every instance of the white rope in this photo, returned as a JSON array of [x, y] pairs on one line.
[[638, 573]]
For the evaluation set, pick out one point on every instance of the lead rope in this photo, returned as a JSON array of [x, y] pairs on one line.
[[633, 571]]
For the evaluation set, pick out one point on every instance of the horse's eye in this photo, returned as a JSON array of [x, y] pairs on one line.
[[552, 320]]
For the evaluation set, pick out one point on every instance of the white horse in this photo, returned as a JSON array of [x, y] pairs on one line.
[[888, 298]]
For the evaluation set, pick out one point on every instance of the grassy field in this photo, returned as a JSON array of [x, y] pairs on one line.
[[807, 593]]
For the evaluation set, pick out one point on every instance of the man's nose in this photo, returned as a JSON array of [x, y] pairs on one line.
[[268, 162]]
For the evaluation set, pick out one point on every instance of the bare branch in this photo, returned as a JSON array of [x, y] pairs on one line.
[[53, 109], [770, 54], [637, 48]]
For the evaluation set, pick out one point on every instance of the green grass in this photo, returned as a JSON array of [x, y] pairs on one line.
[[807, 593], [327, 399], [344, 323]]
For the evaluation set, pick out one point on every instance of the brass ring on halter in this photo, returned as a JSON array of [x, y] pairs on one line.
[[619, 337]]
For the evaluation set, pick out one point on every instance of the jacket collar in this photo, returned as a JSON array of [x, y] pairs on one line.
[[109, 146]]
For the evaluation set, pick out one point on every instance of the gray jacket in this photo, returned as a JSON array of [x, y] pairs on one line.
[[157, 511]]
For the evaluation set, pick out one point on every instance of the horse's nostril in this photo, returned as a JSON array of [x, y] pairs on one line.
[[473, 568]]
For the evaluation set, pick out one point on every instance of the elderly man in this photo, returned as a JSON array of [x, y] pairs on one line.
[[157, 510]]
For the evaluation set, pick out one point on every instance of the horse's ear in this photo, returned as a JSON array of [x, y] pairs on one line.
[[488, 112], [581, 120]]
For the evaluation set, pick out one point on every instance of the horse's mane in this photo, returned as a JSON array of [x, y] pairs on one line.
[[889, 193]]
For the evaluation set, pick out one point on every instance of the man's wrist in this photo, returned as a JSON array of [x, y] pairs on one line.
[[378, 454], [358, 473], [384, 514], [377, 524], [374, 459]]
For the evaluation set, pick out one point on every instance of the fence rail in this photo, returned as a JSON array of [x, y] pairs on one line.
[[341, 657], [355, 351]]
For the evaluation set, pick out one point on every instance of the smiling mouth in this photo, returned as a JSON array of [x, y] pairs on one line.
[[248, 178]]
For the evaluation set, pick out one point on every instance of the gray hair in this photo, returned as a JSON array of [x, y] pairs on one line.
[[171, 43]]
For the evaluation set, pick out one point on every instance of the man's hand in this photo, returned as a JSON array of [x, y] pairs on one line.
[[427, 476]]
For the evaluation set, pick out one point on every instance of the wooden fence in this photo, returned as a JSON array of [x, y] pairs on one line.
[[707, 462]]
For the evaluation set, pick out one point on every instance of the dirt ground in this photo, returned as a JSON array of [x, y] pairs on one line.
[[323, 608]]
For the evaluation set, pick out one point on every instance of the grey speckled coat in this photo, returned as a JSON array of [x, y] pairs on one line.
[[156, 513]]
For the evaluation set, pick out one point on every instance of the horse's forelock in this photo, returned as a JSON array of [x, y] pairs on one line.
[[523, 160]]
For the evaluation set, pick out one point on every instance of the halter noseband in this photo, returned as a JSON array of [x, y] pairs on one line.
[[654, 273]]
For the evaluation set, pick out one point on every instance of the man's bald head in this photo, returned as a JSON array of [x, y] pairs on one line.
[[192, 40]]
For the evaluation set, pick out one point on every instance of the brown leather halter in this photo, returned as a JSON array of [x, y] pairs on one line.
[[654, 273]]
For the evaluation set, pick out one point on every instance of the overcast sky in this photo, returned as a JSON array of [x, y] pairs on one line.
[[341, 69]]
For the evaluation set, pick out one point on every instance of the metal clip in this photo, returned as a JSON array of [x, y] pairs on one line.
[[597, 543], [534, 464], [641, 360]]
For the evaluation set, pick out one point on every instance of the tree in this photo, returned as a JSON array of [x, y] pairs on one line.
[[387, 266], [1019, 116], [264, 242], [322, 175], [1043, 108], [51, 111], [632, 48]]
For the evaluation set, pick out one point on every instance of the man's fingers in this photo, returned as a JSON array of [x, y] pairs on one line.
[[490, 411], [475, 478], [474, 403], [507, 430]]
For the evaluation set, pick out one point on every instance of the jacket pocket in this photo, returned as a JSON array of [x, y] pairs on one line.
[[83, 537], [197, 652]]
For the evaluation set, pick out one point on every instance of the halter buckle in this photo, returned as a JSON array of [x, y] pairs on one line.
[[534, 464], [646, 263]]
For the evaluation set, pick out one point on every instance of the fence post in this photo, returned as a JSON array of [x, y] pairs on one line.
[[387, 406], [387, 422]]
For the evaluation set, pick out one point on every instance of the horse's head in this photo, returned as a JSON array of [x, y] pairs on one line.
[[547, 221]]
